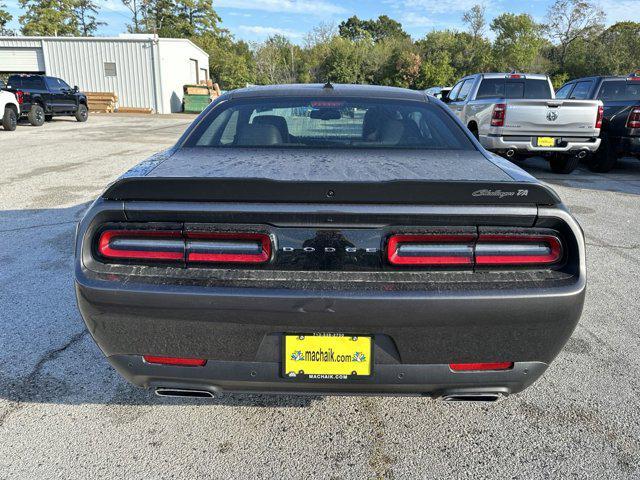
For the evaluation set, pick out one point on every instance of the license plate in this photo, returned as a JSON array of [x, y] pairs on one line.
[[326, 356], [546, 142]]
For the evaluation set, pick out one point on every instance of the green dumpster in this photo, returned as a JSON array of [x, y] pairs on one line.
[[196, 103]]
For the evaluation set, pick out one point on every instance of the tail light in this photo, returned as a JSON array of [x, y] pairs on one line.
[[20, 96], [190, 247], [499, 114], [477, 367], [141, 245], [175, 361], [516, 249], [430, 250], [228, 247], [634, 117], [600, 116]]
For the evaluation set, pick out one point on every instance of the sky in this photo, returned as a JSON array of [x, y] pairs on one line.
[[255, 20]]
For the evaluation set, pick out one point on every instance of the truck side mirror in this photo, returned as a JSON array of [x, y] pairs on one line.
[[75, 88]]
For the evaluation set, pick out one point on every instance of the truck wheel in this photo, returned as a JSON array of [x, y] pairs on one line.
[[9, 119], [604, 159], [563, 163], [36, 115], [82, 113]]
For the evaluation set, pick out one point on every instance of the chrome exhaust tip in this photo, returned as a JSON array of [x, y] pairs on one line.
[[183, 393], [582, 154], [510, 153]]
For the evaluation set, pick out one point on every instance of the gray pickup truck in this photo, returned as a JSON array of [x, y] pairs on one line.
[[517, 115]]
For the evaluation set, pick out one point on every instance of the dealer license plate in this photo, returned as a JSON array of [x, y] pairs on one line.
[[327, 356], [546, 142]]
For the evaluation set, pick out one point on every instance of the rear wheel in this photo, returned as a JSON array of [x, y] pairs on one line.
[[9, 119], [82, 114], [563, 163], [36, 115], [605, 158]]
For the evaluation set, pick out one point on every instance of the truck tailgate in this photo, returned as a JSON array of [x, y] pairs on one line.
[[552, 118]]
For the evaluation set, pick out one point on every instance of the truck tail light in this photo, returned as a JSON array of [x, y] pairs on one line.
[[228, 247], [189, 247], [479, 367], [175, 361], [431, 250], [499, 114], [141, 244], [600, 116], [517, 250], [20, 97], [634, 117]]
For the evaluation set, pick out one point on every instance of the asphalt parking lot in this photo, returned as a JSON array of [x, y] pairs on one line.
[[65, 413]]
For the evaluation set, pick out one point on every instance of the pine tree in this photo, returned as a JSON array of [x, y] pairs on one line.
[[5, 17], [85, 12], [49, 17]]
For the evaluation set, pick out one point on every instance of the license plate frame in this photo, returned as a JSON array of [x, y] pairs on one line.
[[327, 371], [545, 142]]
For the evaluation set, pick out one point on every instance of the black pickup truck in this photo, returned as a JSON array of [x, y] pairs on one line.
[[620, 131], [41, 98]]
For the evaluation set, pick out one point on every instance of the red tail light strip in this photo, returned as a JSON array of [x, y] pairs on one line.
[[600, 116], [430, 250], [499, 115], [141, 244], [228, 247], [634, 117], [175, 361], [477, 367]]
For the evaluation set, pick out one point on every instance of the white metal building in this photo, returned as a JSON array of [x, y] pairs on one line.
[[143, 70]]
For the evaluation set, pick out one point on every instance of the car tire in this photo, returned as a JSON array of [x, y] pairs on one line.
[[36, 115], [9, 119], [82, 114], [48, 118], [604, 159], [563, 163]]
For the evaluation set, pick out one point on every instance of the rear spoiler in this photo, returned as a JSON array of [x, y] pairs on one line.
[[258, 190]]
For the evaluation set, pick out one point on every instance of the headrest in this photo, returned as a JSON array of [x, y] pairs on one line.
[[256, 135]]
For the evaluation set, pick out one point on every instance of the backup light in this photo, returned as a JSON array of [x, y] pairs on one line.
[[141, 244], [430, 250]]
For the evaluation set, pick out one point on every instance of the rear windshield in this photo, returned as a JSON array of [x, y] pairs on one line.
[[345, 123], [515, 89], [620, 90]]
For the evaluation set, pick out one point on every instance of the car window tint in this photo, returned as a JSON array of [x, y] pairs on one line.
[[341, 123], [581, 91], [465, 90], [53, 84], [33, 82], [537, 88], [491, 88], [514, 90], [619, 91], [564, 91]]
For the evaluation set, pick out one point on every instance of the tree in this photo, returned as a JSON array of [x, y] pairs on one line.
[[518, 41], [135, 7], [277, 60], [5, 17], [347, 61], [570, 20], [383, 28], [230, 62], [85, 12], [618, 49], [49, 17], [475, 21], [437, 71]]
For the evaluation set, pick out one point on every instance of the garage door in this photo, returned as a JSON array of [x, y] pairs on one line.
[[18, 59]]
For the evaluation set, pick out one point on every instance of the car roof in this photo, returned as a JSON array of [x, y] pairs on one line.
[[336, 90]]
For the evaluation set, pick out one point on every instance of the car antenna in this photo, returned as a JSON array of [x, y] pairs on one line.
[[328, 85]]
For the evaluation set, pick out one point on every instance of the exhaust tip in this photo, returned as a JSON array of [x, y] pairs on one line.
[[183, 393], [511, 152], [582, 154]]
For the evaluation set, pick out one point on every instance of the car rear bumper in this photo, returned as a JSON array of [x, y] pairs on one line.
[[417, 334], [438, 381], [527, 145], [627, 145]]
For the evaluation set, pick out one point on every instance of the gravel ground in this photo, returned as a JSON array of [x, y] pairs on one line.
[[65, 413]]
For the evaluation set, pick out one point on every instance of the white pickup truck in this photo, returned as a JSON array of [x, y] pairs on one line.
[[518, 116], [9, 110]]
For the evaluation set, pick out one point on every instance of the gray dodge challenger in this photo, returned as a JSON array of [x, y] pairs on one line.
[[329, 239]]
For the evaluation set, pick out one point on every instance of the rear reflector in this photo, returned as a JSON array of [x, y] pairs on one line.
[[228, 247], [141, 244], [517, 250], [431, 250], [177, 361], [477, 367]]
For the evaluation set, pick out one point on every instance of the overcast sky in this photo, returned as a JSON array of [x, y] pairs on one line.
[[255, 20]]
